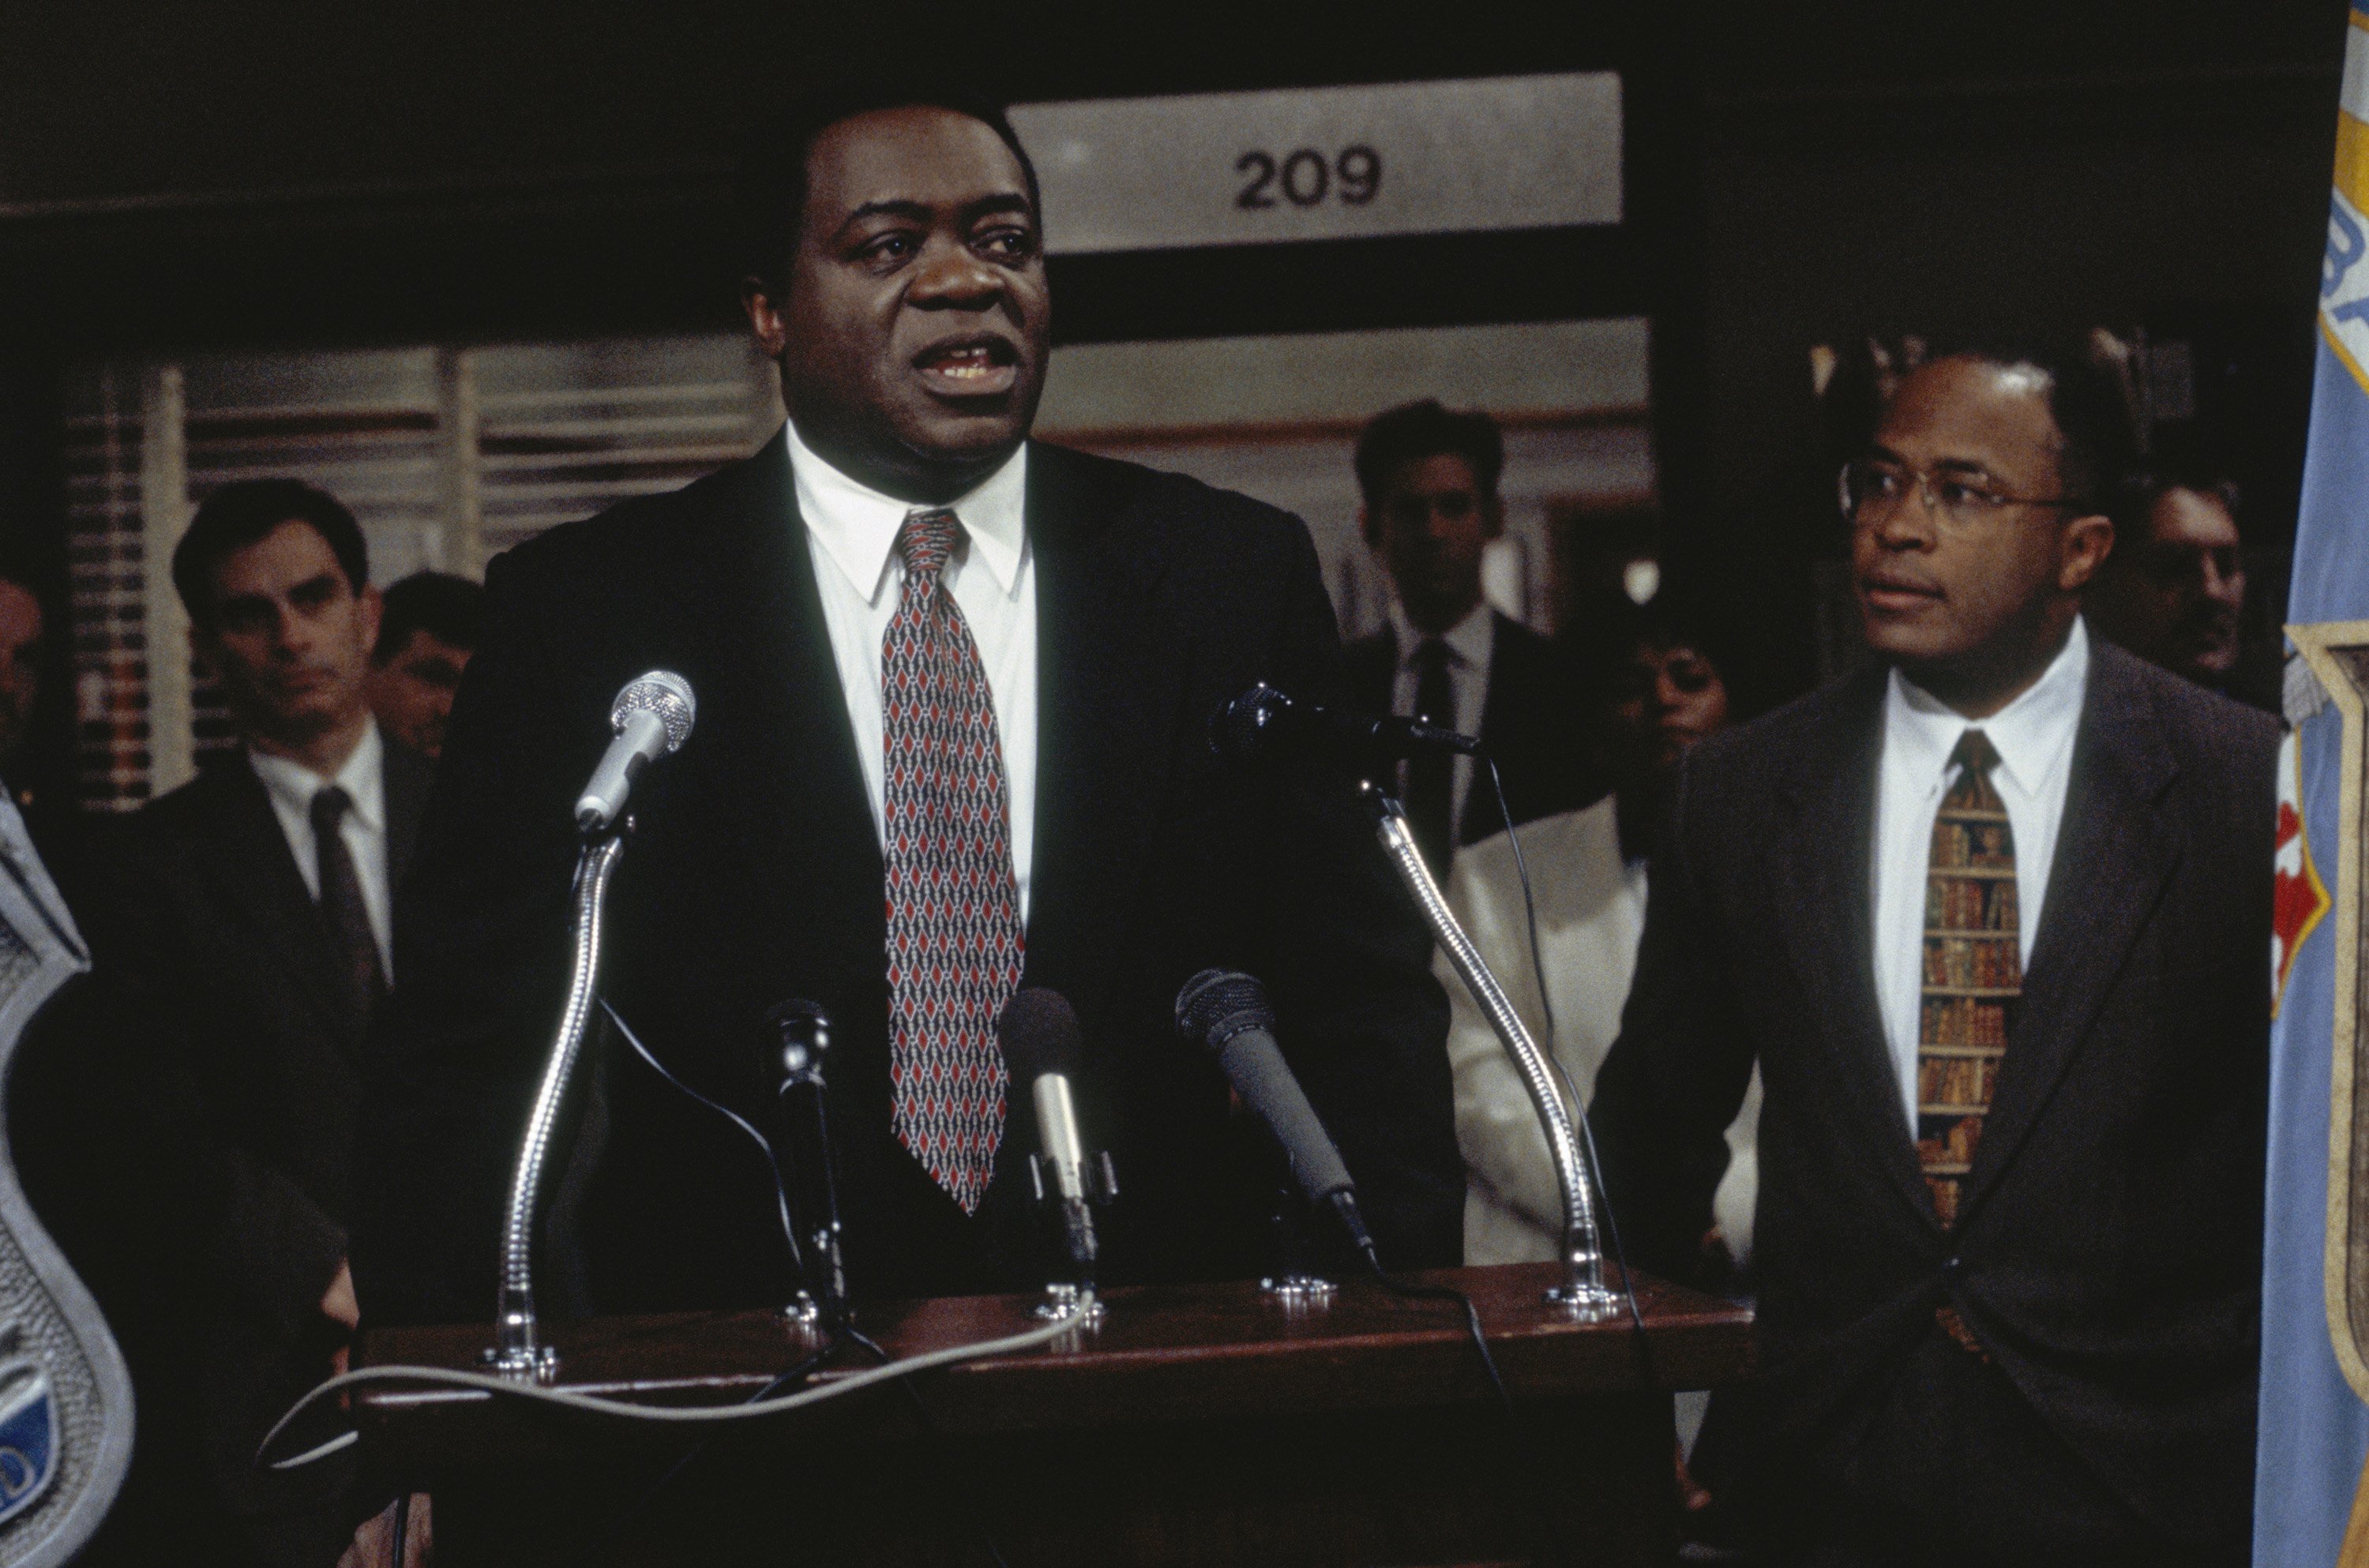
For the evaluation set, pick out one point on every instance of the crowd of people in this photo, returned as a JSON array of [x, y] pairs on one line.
[[1930, 1009]]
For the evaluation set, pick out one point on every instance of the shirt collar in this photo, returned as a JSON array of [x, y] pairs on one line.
[[1468, 640], [363, 778], [2030, 733], [857, 525]]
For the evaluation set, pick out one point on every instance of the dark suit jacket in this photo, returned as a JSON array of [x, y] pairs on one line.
[[1534, 722], [754, 876], [253, 1076], [2108, 1253]]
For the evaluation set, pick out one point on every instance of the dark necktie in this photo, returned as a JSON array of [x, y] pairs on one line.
[[955, 935], [1431, 778], [358, 974], [1973, 971]]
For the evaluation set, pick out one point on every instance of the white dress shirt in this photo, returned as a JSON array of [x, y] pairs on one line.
[[292, 786], [1470, 642], [851, 535], [2033, 736]]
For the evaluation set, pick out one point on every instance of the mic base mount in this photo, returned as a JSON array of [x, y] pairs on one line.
[[1299, 1291], [1064, 1300], [1587, 1303], [525, 1364]]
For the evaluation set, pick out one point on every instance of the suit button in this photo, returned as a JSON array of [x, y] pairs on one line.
[[1955, 1268]]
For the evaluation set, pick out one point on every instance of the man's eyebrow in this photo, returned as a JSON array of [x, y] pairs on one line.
[[1010, 201], [891, 207], [921, 212]]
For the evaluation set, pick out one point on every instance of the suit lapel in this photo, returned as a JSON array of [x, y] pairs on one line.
[[405, 776], [1825, 910], [248, 860], [2113, 857], [1109, 679], [770, 657]]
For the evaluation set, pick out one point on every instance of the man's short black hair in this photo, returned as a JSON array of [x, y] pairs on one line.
[[447, 608], [241, 513], [773, 184], [2093, 420], [1416, 431]]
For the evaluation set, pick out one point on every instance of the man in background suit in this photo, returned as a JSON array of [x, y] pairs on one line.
[[1429, 479], [425, 637], [1990, 916], [254, 923], [927, 653]]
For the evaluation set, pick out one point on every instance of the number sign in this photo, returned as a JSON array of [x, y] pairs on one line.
[[1327, 163]]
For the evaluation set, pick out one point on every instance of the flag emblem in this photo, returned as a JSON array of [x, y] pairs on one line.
[[2299, 898]]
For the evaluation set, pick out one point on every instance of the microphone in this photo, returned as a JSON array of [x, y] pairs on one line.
[[1228, 1013], [1038, 1034], [1263, 725], [799, 1044], [652, 718]]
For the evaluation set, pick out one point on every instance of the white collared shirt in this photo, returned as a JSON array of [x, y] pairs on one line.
[[852, 536], [292, 786], [1471, 643], [2033, 736]]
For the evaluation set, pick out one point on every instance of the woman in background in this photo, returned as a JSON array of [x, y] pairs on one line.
[[1658, 692]]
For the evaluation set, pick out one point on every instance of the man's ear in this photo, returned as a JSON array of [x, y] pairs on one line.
[[369, 607], [2088, 542], [763, 308], [1492, 517], [201, 651]]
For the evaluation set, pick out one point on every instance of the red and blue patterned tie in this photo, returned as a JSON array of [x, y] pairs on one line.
[[955, 936]]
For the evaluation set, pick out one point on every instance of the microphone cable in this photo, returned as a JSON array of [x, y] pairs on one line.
[[1541, 1492], [930, 1429], [773, 1160], [672, 1415], [804, 1369], [766, 1401]]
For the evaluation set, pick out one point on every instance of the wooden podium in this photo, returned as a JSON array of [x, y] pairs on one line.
[[1196, 1425]]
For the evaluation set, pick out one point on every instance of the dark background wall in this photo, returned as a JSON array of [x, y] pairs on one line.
[[181, 175]]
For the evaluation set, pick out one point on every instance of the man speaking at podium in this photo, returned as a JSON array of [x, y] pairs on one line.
[[1088, 617]]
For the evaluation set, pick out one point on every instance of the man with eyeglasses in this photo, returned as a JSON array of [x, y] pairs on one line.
[[1989, 915]]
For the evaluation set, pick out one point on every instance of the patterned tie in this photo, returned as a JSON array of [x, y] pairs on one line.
[[1430, 785], [341, 904], [1973, 971], [955, 936]]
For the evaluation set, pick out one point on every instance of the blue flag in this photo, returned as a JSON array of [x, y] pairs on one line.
[[2315, 1422]]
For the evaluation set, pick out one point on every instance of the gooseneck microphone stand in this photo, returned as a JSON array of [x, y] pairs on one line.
[[1582, 1289], [516, 1352]]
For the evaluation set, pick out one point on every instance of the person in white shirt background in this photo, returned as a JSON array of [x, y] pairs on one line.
[[1658, 690]]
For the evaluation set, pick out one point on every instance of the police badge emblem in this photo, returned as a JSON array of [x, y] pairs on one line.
[[66, 1397], [2338, 654]]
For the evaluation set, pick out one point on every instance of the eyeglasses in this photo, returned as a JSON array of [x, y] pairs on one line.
[[1869, 488]]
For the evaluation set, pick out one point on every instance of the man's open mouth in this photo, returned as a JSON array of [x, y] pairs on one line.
[[970, 367]]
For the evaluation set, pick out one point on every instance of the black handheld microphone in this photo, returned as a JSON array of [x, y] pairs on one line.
[[1263, 725], [1227, 1013], [798, 1042], [1042, 1047]]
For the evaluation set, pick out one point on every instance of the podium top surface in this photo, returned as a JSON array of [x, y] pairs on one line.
[[1163, 1354]]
